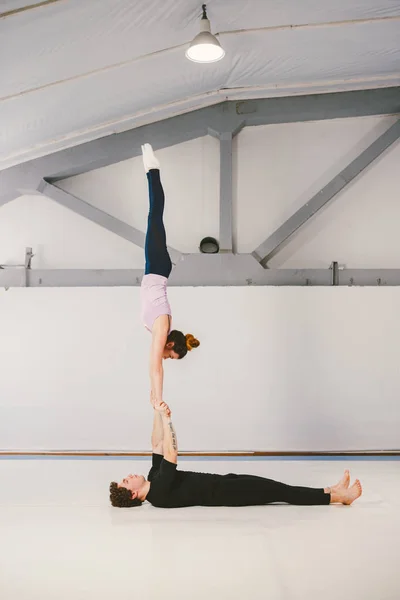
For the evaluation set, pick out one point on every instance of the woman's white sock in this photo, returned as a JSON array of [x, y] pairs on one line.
[[149, 159]]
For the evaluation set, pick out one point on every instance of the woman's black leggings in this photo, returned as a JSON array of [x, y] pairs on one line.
[[156, 253], [248, 490]]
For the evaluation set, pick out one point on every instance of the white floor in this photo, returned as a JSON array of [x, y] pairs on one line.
[[60, 539]]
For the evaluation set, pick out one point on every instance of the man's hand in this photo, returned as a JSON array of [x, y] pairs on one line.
[[163, 408]]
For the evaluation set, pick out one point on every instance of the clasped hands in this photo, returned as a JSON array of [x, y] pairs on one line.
[[161, 407]]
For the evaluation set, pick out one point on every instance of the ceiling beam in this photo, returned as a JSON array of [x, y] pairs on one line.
[[271, 245], [225, 193], [214, 120], [17, 277], [95, 215], [127, 144], [318, 107], [221, 277]]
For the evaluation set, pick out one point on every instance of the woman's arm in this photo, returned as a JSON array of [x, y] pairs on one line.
[[159, 340], [157, 435]]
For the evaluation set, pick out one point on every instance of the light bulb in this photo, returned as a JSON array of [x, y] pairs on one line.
[[205, 48]]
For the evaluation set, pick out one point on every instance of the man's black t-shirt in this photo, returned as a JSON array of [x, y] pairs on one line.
[[171, 488]]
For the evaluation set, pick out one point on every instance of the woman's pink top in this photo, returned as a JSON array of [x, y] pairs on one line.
[[153, 292]]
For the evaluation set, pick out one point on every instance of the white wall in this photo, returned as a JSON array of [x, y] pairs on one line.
[[190, 176], [280, 167], [60, 239], [278, 369]]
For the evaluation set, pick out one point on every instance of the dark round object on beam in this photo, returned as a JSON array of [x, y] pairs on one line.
[[209, 245]]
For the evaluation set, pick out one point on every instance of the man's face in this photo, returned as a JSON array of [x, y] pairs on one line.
[[132, 483]]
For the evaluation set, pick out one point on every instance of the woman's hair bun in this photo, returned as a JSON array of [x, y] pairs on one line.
[[191, 341]]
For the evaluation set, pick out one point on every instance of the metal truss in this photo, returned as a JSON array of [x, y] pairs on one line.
[[224, 121]]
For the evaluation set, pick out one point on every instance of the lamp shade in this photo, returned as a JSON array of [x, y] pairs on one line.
[[205, 48]]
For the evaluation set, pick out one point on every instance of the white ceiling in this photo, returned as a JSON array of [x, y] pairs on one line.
[[76, 70]]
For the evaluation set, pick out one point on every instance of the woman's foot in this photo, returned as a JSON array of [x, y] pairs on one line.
[[344, 494], [149, 159]]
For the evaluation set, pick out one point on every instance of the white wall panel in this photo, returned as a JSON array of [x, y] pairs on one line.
[[277, 369], [280, 167], [190, 177], [359, 229], [60, 239]]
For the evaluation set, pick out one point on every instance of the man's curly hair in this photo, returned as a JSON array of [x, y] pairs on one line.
[[122, 497]]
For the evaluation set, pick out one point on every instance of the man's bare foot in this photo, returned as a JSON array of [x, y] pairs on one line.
[[344, 482], [346, 495]]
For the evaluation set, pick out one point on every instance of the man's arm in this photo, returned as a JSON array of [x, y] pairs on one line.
[[170, 440], [170, 443], [157, 435]]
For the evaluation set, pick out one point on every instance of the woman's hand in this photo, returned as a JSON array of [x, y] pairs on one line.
[[163, 408]]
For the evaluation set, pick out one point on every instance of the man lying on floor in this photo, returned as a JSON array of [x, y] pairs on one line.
[[166, 487]]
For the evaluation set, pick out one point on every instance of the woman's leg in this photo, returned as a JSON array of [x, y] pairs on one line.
[[156, 254]]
